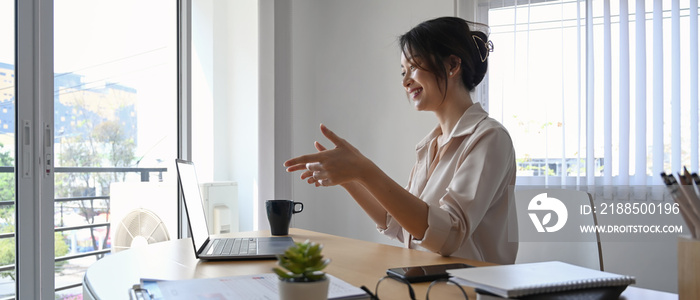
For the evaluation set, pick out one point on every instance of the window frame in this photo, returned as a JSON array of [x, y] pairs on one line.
[[34, 120]]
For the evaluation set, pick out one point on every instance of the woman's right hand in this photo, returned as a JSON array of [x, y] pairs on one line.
[[308, 174], [337, 166]]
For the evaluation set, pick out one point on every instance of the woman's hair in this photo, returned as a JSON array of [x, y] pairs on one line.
[[435, 40]]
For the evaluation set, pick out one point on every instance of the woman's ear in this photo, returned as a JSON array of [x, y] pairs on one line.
[[454, 65]]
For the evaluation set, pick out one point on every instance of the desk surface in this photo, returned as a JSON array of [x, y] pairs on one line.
[[355, 261]]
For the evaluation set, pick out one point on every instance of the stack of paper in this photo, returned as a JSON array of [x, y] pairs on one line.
[[250, 287]]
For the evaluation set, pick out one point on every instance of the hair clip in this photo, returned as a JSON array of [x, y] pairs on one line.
[[488, 45]]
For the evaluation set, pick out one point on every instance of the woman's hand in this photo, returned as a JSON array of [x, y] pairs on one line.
[[340, 165], [376, 192]]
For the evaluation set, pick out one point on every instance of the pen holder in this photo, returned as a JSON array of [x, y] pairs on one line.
[[688, 268]]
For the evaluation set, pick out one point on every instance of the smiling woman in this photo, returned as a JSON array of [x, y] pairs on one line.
[[456, 202]]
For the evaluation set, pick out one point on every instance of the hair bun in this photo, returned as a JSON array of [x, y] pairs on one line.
[[482, 46], [437, 39]]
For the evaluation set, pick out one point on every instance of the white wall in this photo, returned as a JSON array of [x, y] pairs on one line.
[[203, 86], [224, 98], [345, 69]]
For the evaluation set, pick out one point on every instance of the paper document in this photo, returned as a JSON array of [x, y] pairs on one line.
[[250, 287]]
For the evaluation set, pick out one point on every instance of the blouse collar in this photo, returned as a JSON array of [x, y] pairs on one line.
[[465, 125]]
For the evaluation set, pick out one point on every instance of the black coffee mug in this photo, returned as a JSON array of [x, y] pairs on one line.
[[279, 213]]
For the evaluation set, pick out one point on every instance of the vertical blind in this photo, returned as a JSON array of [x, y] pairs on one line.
[[596, 91]]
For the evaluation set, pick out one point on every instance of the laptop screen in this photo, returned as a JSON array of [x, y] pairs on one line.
[[193, 203]]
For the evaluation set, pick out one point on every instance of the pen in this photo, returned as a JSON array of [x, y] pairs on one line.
[[696, 183], [688, 214], [688, 178], [689, 191], [672, 189]]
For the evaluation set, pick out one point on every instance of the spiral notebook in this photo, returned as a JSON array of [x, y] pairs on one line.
[[519, 280]]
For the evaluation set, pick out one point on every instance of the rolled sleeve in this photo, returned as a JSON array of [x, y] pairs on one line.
[[393, 229], [477, 184], [440, 223]]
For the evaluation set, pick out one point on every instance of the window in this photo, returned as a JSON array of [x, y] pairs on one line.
[[115, 125], [591, 92]]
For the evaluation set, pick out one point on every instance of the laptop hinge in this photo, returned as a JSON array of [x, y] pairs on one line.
[[204, 247]]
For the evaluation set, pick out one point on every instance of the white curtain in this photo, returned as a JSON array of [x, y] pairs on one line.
[[596, 92]]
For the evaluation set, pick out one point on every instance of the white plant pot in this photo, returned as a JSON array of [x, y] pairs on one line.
[[317, 290]]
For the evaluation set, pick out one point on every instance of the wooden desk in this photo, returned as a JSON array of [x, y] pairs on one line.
[[355, 261]]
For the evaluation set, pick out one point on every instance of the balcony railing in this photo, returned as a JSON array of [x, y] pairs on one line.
[[145, 175]]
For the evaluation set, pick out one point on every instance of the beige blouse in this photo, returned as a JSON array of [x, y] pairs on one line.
[[466, 191]]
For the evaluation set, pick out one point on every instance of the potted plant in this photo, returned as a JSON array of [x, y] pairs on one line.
[[302, 276]]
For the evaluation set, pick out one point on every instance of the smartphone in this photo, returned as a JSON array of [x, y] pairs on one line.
[[425, 273]]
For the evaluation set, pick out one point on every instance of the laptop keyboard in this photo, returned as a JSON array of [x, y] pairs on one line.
[[233, 246]]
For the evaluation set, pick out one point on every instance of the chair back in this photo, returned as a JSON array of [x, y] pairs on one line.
[[584, 250]]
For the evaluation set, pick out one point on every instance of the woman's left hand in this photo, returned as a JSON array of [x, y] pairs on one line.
[[340, 165]]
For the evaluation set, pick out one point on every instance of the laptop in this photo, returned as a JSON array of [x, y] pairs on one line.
[[206, 247]]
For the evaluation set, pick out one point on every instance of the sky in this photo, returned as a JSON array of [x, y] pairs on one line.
[[7, 37], [93, 38], [128, 42]]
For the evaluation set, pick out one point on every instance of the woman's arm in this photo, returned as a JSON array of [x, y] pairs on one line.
[[368, 203], [410, 211], [346, 166]]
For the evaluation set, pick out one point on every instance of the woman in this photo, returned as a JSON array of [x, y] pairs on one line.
[[456, 201]]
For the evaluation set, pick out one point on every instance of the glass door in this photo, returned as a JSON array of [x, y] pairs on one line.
[[115, 128], [7, 149]]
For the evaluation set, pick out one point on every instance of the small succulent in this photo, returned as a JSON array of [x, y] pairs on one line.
[[302, 262]]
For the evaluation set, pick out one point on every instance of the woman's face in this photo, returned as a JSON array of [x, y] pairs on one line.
[[421, 85]]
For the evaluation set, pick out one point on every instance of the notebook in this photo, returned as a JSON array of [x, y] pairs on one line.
[[206, 247], [520, 280], [603, 293]]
